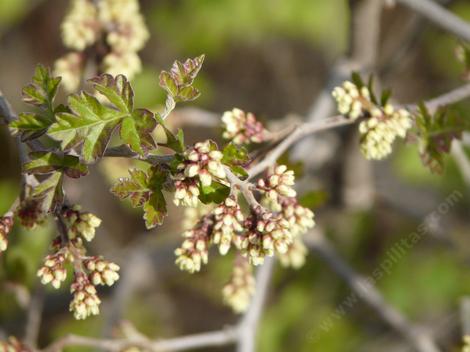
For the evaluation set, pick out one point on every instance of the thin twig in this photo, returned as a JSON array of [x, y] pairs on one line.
[[308, 128], [206, 339], [440, 16]]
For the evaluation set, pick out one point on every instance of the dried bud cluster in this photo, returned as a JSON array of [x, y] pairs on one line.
[[101, 271], [30, 214], [381, 126], [6, 223], [278, 182], [238, 291], [53, 271], [80, 223], [194, 249], [121, 26], [201, 165], [85, 300], [228, 220], [266, 234], [13, 345], [380, 131], [242, 128]]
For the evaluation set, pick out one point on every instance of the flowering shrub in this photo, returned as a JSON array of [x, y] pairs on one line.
[[231, 207]]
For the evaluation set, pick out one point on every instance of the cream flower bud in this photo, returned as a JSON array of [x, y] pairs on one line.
[[238, 291]]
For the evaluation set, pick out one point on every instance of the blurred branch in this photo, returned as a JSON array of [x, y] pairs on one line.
[[416, 336], [440, 16], [249, 324], [207, 339], [33, 318], [465, 315], [462, 161]]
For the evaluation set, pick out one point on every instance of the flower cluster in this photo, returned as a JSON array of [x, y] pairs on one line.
[[85, 300], [102, 272], [295, 255], [266, 234], [352, 101], [228, 220], [238, 291], [6, 223], [380, 131], [192, 215], [69, 68], [80, 27], [194, 249], [278, 182], [88, 23], [242, 128], [80, 223], [466, 343], [201, 165], [68, 248], [381, 124], [126, 34], [53, 271], [300, 218], [186, 191]]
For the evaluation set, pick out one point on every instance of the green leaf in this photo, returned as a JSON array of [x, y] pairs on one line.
[[386, 94], [215, 193], [41, 94], [91, 123], [137, 127], [155, 210], [47, 162], [357, 80], [173, 142], [435, 135], [233, 154], [144, 189], [235, 157], [49, 193], [178, 81]]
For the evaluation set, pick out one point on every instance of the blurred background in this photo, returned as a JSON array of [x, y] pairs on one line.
[[271, 57]]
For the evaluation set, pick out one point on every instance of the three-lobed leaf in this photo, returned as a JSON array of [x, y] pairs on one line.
[[144, 189], [47, 162], [435, 135], [178, 82], [41, 94], [92, 123]]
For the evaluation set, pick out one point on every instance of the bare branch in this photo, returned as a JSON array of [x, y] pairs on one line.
[[207, 339], [440, 16]]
